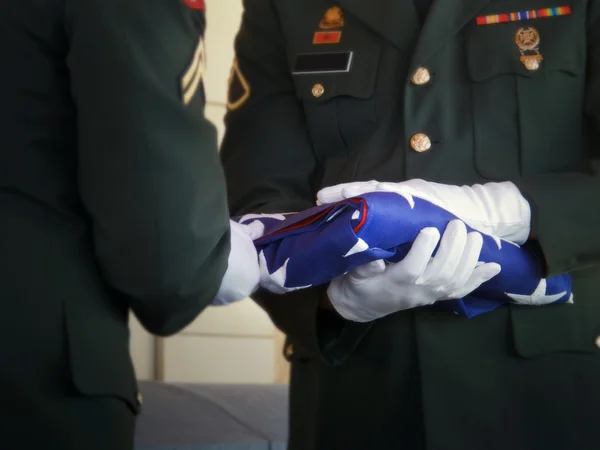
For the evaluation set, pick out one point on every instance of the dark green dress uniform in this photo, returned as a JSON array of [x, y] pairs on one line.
[[324, 96], [111, 198]]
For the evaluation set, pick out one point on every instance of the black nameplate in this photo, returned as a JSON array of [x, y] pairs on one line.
[[313, 63]]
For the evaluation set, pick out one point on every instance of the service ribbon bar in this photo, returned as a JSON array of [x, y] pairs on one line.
[[524, 15]]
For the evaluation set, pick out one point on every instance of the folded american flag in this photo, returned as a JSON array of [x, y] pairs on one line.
[[313, 247]]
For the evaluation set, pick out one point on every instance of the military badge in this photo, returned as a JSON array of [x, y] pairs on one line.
[[528, 42], [327, 37], [333, 18], [523, 15], [239, 88]]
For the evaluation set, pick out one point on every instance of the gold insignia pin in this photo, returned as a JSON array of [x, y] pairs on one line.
[[528, 41], [333, 18]]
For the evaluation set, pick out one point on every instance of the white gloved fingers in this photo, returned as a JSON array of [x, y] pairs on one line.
[[510, 213], [387, 186], [360, 189], [449, 254], [413, 265], [330, 194], [242, 276], [334, 194], [398, 188], [243, 252], [468, 262], [482, 273], [415, 183], [254, 230], [368, 270], [347, 304]]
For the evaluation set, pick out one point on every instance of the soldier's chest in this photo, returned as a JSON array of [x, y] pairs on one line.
[[498, 85]]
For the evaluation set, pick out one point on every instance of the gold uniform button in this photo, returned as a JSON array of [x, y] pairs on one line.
[[289, 351], [421, 76], [598, 342], [531, 64], [318, 90], [420, 142]]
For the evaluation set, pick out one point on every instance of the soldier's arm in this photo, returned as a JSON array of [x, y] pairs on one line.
[[566, 207], [270, 167], [148, 168]]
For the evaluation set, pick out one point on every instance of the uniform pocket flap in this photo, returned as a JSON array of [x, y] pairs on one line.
[[320, 76], [539, 331], [497, 49]]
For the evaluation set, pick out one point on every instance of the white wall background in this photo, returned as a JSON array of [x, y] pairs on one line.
[[232, 344], [223, 19]]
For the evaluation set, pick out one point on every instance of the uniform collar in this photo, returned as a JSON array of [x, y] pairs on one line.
[[397, 21]]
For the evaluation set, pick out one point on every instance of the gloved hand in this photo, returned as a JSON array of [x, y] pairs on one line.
[[243, 274], [377, 289], [497, 209]]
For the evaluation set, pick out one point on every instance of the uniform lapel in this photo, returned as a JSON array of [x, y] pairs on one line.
[[445, 19], [396, 20]]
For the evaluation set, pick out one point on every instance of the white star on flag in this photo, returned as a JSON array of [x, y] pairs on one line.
[[538, 297], [275, 282], [499, 242], [248, 217], [359, 247]]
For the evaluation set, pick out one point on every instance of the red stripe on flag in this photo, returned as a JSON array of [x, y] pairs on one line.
[[365, 212], [303, 223], [312, 219]]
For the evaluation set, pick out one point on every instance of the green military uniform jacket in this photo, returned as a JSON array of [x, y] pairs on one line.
[[112, 196], [380, 97]]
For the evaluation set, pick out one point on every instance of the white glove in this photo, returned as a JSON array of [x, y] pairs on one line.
[[243, 274], [375, 290], [497, 209]]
